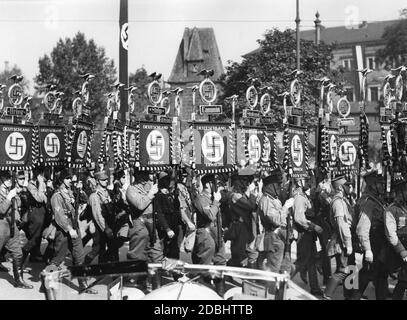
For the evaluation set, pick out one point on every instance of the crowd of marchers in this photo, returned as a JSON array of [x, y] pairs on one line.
[[260, 214]]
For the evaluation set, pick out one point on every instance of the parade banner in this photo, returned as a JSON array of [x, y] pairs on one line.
[[269, 155], [249, 144], [78, 151], [16, 146], [106, 149], [131, 143], [329, 148], [213, 149], [119, 148], [348, 153], [153, 145], [296, 151], [387, 142], [51, 145]]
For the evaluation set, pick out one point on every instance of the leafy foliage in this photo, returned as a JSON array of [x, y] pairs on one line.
[[394, 54], [271, 64], [71, 58], [141, 80]]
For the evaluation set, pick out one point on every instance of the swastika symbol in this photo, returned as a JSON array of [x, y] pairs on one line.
[[82, 144], [52, 145], [333, 148], [16, 146], [297, 153], [212, 146], [132, 144], [267, 149], [347, 153], [254, 148], [155, 145]]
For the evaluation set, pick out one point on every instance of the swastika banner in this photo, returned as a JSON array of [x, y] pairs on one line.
[[212, 147], [154, 143], [79, 144], [330, 148], [16, 143], [131, 142], [52, 145], [249, 144], [269, 152], [348, 153], [106, 148], [297, 150]]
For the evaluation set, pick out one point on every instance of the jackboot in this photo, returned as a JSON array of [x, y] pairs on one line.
[[219, 286], [23, 259], [333, 283], [3, 268], [19, 282]]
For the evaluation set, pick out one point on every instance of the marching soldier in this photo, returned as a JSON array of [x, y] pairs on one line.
[[273, 216], [167, 208], [144, 243], [9, 234], [371, 235], [36, 201], [340, 244], [90, 182], [307, 231], [67, 235], [104, 219], [209, 246], [396, 233], [242, 232]]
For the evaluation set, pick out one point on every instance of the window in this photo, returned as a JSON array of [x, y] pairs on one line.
[[347, 64], [374, 93], [349, 94], [371, 63]]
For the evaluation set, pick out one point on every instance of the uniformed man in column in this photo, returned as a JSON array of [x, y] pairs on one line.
[[104, 219], [209, 247], [307, 233], [67, 235], [340, 243], [9, 233], [371, 236], [396, 233], [273, 216]]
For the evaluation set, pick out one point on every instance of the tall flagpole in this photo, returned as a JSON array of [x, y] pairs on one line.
[[123, 58]]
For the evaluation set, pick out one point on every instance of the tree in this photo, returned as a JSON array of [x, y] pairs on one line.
[[271, 63], [140, 79], [394, 53], [68, 60]]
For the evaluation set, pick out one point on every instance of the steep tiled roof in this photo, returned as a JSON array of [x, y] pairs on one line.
[[198, 45]]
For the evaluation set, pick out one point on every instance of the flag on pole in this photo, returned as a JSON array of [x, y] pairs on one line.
[[359, 58], [123, 57]]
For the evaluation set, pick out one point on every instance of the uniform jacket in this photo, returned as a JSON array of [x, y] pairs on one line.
[[271, 213], [341, 221], [63, 209], [206, 209], [242, 207], [168, 212], [302, 208], [395, 228], [370, 227], [139, 200], [96, 200]]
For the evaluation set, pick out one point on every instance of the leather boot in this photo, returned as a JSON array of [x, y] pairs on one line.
[[19, 282], [333, 283], [3, 268], [219, 286], [23, 259]]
